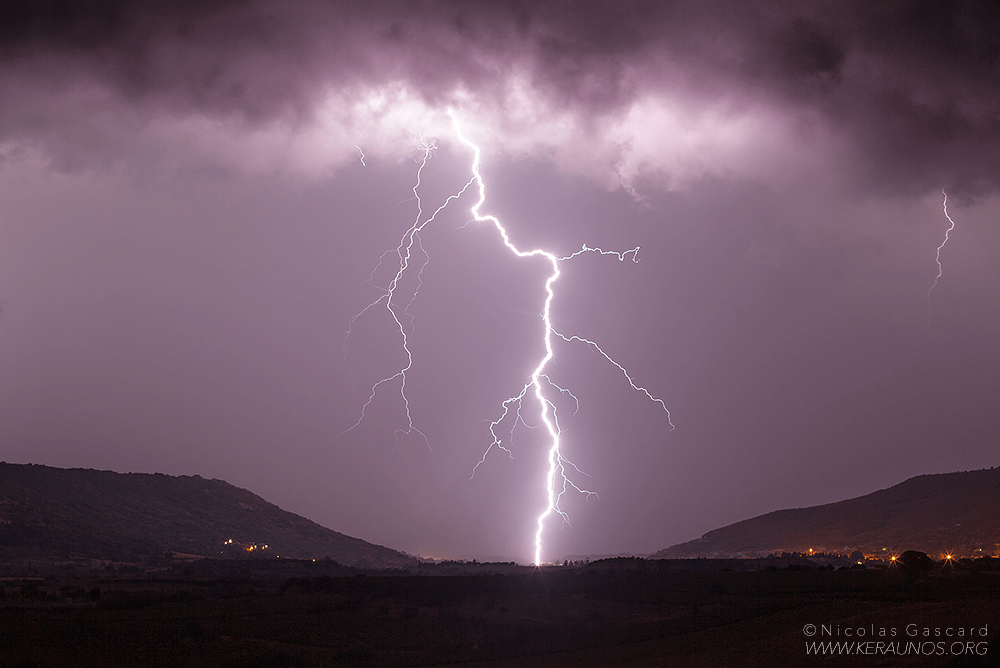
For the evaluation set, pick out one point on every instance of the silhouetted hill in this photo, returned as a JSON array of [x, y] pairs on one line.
[[949, 512], [77, 514]]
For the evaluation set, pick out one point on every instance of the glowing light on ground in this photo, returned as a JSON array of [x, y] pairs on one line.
[[412, 258]]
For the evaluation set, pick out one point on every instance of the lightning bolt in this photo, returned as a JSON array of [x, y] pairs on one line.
[[539, 386], [360, 151], [408, 245], [937, 255]]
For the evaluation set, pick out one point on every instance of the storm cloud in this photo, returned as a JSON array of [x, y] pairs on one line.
[[899, 96]]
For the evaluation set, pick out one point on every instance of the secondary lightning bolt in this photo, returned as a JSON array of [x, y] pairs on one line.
[[937, 255], [404, 252], [360, 151], [557, 479]]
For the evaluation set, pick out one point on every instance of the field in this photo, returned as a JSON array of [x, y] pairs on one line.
[[632, 613]]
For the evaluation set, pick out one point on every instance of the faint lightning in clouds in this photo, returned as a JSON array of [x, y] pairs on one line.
[[937, 254], [557, 479]]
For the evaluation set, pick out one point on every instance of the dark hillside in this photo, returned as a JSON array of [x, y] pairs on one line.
[[77, 514], [957, 513]]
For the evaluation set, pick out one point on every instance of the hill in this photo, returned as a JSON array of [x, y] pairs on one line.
[[53, 514], [956, 513]]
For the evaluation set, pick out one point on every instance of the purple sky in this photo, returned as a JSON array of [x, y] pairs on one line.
[[187, 228]]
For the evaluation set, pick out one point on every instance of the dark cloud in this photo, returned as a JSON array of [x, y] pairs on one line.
[[910, 86]]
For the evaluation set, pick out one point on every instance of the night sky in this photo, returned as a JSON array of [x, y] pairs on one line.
[[187, 227]]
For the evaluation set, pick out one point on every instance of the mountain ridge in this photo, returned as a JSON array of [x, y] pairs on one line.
[[956, 513], [49, 513]]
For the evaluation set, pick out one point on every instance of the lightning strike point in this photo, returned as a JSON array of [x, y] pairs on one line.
[[937, 254]]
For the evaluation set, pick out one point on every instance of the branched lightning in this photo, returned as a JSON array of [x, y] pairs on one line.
[[557, 480], [937, 254], [404, 253], [624, 371], [557, 462]]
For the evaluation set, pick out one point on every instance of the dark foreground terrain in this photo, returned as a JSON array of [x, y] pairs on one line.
[[627, 612]]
